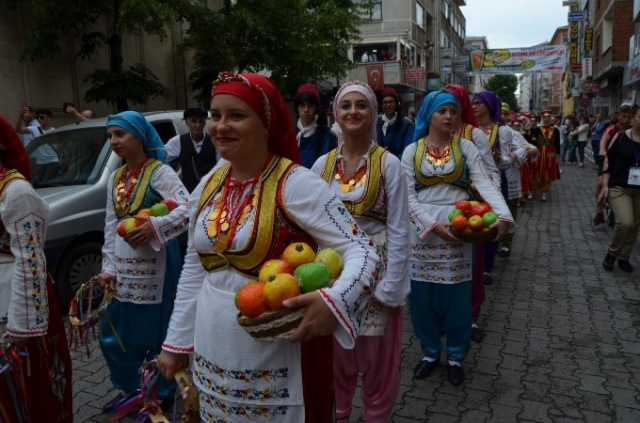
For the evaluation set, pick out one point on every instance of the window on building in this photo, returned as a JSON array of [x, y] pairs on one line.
[[607, 34], [445, 9], [420, 17], [372, 9]]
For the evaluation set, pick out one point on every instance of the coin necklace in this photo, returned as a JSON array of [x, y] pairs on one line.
[[356, 180], [435, 157], [231, 210], [126, 185]]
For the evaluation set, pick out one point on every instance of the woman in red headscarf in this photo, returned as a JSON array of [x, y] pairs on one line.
[[35, 366], [465, 125], [245, 212]]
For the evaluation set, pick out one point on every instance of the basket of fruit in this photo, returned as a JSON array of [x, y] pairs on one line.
[[260, 303], [471, 221]]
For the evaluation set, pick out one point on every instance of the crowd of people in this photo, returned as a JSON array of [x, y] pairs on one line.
[[376, 187]]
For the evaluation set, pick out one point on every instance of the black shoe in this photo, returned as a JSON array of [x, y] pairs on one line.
[[504, 252], [608, 262], [598, 220], [624, 265], [476, 334], [108, 407], [488, 280], [424, 368], [455, 374]]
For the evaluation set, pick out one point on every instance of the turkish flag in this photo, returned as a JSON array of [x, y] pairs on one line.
[[375, 77]]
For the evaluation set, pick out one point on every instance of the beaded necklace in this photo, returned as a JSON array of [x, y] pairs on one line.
[[350, 184], [127, 184], [231, 210], [435, 157]]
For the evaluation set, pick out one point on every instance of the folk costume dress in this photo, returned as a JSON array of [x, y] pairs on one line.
[[37, 387], [440, 271], [377, 199], [238, 377], [545, 170], [146, 277]]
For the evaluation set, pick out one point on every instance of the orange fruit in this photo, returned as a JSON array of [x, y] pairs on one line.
[[282, 287], [459, 223], [249, 300], [298, 253]]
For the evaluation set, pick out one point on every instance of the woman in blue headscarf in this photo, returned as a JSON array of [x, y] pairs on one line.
[[440, 167], [141, 259]]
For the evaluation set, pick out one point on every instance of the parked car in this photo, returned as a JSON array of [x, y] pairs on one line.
[[70, 168]]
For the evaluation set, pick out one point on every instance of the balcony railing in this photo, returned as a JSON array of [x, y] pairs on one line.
[[392, 72]]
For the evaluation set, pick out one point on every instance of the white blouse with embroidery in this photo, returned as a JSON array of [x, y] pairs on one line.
[[23, 274], [140, 273], [432, 258], [237, 376]]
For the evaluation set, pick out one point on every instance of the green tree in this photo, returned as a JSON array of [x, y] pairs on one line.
[[505, 87], [296, 41], [57, 20]]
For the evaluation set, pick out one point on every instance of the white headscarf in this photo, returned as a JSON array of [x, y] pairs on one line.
[[364, 89]]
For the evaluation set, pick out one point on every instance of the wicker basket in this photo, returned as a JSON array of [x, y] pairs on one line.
[[272, 326], [487, 234]]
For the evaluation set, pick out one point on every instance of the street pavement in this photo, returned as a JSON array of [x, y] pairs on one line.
[[562, 342]]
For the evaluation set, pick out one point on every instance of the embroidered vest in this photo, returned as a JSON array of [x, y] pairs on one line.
[[540, 138], [458, 178], [143, 196], [366, 205], [273, 228], [5, 242], [467, 132]]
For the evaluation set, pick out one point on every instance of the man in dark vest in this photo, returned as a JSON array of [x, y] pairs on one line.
[[194, 150]]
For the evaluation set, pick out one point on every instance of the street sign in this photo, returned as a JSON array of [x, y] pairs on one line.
[[600, 102], [584, 102], [575, 16], [414, 73], [446, 62], [570, 3]]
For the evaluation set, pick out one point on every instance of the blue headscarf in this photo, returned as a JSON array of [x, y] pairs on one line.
[[493, 103], [432, 102], [139, 127]]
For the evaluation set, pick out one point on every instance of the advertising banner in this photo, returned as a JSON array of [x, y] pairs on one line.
[[588, 39], [548, 59], [413, 74]]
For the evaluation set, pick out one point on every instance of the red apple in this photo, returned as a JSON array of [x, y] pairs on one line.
[[271, 268], [477, 210], [121, 229], [464, 206], [476, 223], [170, 203]]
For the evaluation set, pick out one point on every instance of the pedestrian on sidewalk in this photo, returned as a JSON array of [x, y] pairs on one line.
[[378, 202], [38, 388], [619, 122], [271, 201], [622, 185], [143, 266], [439, 167], [582, 136]]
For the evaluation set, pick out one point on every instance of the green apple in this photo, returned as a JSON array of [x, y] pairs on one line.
[[489, 218], [159, 209], [455, 212], [333, 261], [312, 276]]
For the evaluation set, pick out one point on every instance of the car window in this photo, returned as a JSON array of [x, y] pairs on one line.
[[165, 129], [68, 157]]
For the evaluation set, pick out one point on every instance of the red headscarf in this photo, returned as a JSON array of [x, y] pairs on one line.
[[466, 108], [262, 95], [12, 151]]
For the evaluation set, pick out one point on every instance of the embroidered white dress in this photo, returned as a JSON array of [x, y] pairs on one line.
[[239, 378], [518, 157], [432, 258], [140, 273], [390, 237], [23, 276]]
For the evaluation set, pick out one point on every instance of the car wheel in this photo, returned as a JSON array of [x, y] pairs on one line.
[[77, 266]]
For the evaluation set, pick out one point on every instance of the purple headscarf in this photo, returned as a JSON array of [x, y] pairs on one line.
[[493, 103]]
